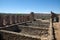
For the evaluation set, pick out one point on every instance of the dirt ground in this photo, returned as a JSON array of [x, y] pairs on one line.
[[57, 30]]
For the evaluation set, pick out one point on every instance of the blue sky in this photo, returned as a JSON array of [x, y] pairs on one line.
[[27, 6]]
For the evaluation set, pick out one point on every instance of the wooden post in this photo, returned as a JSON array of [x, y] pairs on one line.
[[10, 19], [19, 19], [15, 18], [1, 20], [4, 22]]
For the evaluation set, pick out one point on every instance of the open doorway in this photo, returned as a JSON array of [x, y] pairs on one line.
[[55, 19]]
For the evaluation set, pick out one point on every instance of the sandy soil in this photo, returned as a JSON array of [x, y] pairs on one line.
[[57, 30]]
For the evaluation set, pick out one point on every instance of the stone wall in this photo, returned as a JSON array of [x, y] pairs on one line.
[[8, 35], [34, 31], [27, 32], [9, 19]]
